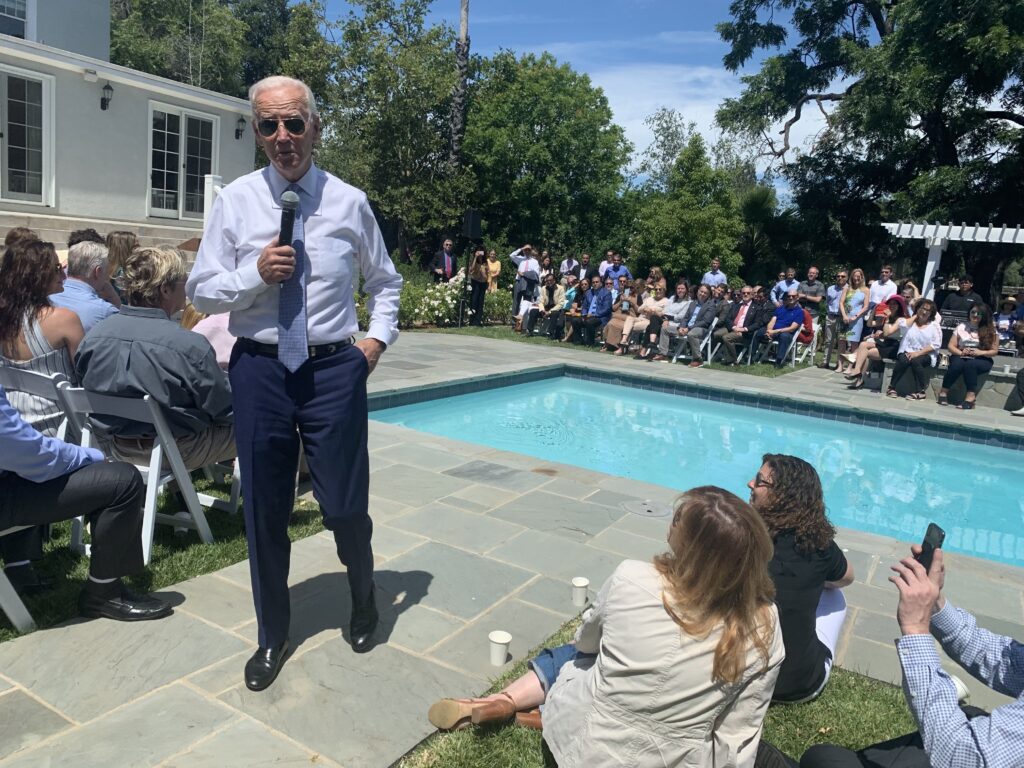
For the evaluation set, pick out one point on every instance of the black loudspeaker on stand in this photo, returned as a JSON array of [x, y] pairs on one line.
[[471, 231]]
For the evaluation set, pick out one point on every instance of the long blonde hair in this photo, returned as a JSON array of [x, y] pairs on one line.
[[717, 574]]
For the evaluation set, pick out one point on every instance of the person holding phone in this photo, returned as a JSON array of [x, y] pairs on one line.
[[948, 736]]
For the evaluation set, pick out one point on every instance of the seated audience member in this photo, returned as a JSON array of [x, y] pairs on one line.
[[723, 302], [735, 327], [964, 298], [595, 312], [714, 276], [947, 736], [787, 282], [90, 235], [910, 293], [624, 312], [782, 328], [669, 319], [811, 292], [547, 265], [971, 349], [17, 235], [1018, 322], [676, 658], [34, 334], [917, 351], [692, 328], [558, 327], [46, 481], [119, 244], [1004, 321], [87, 275], [882, 344], [214, 328], [1015, 403], [809, 570], [549, 304], [141, 351], [652, 307], [656, 277]]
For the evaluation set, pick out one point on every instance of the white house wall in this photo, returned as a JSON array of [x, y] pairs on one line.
[[101, 158], [82, 26]]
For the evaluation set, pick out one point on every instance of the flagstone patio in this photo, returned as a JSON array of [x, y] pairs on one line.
[[467, 539]]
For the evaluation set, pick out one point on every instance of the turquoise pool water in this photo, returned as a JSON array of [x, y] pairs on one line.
[[876, 480]]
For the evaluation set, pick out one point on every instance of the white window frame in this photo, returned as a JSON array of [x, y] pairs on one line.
[[29, 20], [183, 113], [48, 198]]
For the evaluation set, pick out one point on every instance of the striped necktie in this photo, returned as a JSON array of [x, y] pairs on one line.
[[292, 343]]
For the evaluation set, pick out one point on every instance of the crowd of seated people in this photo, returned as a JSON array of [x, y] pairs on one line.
[[113, 320], [862, 320]]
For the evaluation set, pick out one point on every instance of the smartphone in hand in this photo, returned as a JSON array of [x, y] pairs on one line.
[[933, 539]]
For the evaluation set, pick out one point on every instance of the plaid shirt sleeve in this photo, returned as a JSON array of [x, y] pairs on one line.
[[950, 739]]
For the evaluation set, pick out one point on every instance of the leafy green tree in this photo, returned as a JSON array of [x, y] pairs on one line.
[[546, 155], [387, 130], [694, 220], [265, 37], [199, 42], [925, 108]]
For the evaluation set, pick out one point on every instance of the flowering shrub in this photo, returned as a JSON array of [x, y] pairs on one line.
[[437, 304]]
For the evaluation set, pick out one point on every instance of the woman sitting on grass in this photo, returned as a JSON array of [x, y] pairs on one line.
[[971, 349], [675, 663]]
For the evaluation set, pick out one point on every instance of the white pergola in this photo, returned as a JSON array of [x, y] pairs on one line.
[[937, 236]]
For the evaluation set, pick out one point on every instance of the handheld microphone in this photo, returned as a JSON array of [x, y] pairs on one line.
[[289, 205]]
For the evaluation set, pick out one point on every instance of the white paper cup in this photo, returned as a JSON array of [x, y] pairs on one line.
[[500, 641], [1006, 368], [580, 585]]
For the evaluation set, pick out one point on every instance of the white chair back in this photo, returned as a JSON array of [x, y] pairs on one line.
[[39, 384]]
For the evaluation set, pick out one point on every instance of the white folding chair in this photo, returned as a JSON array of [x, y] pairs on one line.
[[82, 404], [39, 384], [10, 602], [705, 343]]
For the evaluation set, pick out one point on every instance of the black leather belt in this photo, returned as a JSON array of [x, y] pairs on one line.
[[315, 350]]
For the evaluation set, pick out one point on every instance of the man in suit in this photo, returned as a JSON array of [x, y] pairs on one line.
[[588, 270], [735, 329], [444, 265], [296, 371], [693, 327]]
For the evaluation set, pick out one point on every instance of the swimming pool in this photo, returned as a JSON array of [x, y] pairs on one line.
[[875, 480]]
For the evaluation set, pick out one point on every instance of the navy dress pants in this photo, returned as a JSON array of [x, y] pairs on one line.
[[324, 402]]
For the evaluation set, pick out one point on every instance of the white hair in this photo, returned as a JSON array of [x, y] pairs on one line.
[[278, 81], [84, 257]]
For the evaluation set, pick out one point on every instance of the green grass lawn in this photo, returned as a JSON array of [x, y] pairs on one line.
[[853, 711], [174, 559], [505, 333]]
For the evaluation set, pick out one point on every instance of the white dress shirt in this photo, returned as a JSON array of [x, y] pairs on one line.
[[524, 263], [880, 292], [342, 241]]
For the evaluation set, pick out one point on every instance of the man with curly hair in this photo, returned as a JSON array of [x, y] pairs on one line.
[[809, 570]]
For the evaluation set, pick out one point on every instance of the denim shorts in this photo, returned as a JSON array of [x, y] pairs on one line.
[[549, 662]]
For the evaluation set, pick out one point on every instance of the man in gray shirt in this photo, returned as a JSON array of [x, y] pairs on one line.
[[141, 351], [811, 291]]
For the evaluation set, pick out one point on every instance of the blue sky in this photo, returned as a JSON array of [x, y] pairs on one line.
[[644, 54]]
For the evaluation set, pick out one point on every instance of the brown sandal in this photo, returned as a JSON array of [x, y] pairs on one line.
[[529, 719]]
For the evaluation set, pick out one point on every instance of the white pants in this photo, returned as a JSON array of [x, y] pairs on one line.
[[828, 623]]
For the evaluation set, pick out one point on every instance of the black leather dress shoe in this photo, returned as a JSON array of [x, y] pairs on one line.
[[261, 670], [26, 581], [363, 624], [124, 606]]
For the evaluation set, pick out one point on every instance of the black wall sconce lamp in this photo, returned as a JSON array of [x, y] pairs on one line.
[[108, 94], [239, 127]]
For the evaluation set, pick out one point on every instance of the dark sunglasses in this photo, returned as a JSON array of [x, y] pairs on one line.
[[267, 127]]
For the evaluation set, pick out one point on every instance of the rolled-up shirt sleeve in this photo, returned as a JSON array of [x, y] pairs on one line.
[[382, 284], [217, 282], [33, 456]]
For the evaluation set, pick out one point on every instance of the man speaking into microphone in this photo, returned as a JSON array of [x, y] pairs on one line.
[[282, 251]]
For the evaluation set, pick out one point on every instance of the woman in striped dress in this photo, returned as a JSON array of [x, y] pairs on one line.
[[34, 334]]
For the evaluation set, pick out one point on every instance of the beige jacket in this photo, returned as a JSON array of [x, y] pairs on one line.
[[648, 701]]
